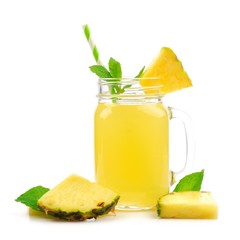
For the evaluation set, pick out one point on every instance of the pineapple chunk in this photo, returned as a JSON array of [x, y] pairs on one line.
[[169, 72], [77, 199], [189, 204]]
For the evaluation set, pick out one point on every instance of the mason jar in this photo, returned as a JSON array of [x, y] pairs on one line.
[[132, 141]]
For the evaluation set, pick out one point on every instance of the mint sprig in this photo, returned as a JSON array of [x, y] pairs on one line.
[[30, 197], [191, 182], [114, 74]]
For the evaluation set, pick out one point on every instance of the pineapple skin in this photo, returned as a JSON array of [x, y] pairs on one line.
[[82, 216], [187, 205]]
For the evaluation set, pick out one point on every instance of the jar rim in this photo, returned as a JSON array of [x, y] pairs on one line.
[[126, 79]]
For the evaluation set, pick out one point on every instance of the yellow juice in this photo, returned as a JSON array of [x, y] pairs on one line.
[[131, 151]]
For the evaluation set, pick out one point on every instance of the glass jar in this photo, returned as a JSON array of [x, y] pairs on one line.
[[132, 141]]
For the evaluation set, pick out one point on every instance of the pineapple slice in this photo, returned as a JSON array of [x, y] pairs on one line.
[[169, 73], [77, 199], [189, 204]]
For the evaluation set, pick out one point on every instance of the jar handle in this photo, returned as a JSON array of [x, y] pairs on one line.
[[189, 139]]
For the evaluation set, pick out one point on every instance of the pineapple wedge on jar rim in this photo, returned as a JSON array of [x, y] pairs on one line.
[[168, 71]]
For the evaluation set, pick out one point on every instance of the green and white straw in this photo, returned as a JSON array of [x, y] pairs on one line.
[[92, 44]]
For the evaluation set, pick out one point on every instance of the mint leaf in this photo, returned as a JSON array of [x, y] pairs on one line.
[[30, 197], [141, 72], [191, 182], [116, 72], [100, 71], [124, 87], [115, 68]]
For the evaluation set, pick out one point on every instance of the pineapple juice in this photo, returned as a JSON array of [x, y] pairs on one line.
[[131, 152]]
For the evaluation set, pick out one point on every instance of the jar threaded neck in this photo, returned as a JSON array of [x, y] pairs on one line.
[[129, 90]]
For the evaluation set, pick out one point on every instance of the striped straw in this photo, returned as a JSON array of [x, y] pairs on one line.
[[92, 44]]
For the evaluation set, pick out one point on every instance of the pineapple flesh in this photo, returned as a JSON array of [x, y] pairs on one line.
[[77, 199], [188, 205], [168, 70]]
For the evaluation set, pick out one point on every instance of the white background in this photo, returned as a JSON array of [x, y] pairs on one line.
[[47, 102]]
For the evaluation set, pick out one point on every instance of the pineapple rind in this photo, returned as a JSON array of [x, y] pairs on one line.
[[82, 216]]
